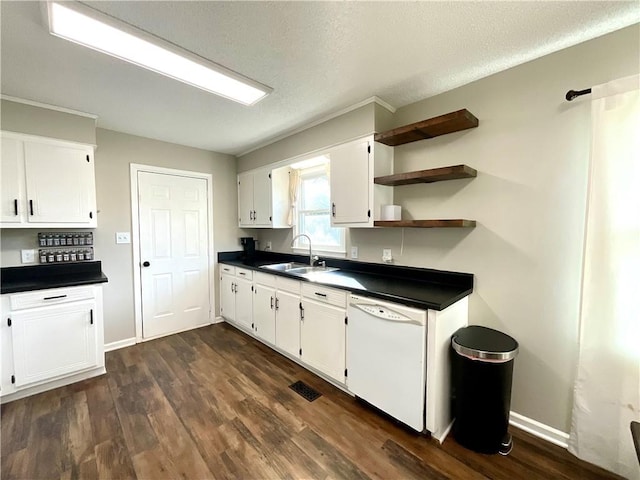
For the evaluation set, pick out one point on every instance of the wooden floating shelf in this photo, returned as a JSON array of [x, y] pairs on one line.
[[432, 127], [458, 223], [427, 176]]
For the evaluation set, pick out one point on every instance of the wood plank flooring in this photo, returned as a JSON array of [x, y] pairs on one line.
[[214, 403]]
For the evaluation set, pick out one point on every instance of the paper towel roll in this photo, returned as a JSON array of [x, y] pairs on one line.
[[390, 212]]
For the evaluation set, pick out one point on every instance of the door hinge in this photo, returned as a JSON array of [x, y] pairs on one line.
[[300, 351], [13, 379], [368, 148], [346, 320], [345, 372], [8, 322], [91, 316]]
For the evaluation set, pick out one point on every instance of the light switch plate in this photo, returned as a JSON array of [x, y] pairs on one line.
[[28, 256], [386, 255], [123, 237], [354, 252], [267, 246]]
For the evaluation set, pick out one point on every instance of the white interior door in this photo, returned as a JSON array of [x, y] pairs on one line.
[[174, 275]]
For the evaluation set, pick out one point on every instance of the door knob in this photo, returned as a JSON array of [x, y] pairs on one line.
[[145, 264]]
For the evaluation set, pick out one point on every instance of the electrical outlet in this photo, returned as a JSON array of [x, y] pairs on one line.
[[386, 255], [354, 252], [123, 237], [28, 256], [267, 246]]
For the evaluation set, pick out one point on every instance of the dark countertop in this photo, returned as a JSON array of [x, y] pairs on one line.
[[41, 277], [415, 287]]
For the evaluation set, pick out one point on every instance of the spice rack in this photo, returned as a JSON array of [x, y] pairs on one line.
[[65, 247]]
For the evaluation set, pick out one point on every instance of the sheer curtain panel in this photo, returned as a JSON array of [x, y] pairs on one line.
[[607, 386]]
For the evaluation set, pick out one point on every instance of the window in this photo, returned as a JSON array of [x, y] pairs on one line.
[[314, 212]]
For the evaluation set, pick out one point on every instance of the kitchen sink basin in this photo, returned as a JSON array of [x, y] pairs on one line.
[[308, 270], [285, 267], [295, 268]]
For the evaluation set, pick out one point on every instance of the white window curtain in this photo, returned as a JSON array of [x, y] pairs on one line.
[[607, 386], [294, 186]]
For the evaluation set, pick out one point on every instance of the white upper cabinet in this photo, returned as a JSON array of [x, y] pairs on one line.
[[47, 183], [13, 205], [263, 198], [355, 200]]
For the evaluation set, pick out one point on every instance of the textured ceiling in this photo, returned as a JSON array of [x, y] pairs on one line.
[[319, 57]]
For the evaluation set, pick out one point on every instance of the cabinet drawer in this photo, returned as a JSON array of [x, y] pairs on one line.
[[228, 269], [265, 279], [41, 298], [244, 273], [330, 296], [288, 285]]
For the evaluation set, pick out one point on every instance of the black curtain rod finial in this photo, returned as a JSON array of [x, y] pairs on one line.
[[571, 94]]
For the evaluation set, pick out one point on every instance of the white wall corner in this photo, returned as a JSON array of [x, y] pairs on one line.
[[540, 430], [217, 320], [127, 342]]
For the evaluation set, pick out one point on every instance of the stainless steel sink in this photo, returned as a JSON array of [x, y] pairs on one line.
[[308, 270], [285, 267], [295, 268]]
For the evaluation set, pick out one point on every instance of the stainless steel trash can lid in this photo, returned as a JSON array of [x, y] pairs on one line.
[[484, 344]]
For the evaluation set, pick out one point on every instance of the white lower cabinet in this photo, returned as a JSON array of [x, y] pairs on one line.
[[236, 299], [322, 338], [323, 330], [276, 312], [288, 322], [50, 335], [264, 312]]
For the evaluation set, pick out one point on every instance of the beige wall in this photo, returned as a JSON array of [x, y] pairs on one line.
[[22, 118], [116, 151], [531, 151]]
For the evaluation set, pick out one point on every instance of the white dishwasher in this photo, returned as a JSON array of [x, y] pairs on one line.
[[386, 358]]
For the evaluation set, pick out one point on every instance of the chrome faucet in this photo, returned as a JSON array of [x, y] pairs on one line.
[[311, 259]]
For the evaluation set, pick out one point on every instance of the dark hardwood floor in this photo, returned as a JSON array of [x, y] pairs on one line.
[[214, 403]]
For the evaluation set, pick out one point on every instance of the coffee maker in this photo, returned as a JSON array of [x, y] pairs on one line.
[[248, 247]]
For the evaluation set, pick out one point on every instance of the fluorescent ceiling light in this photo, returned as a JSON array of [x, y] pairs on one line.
[[83, 25]]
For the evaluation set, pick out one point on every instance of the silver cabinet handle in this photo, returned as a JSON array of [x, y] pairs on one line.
[[271, 303]]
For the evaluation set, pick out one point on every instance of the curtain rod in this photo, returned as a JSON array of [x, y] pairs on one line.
[[571, 94]]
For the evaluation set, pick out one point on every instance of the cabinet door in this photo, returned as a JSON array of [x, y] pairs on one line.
[[351, 184], [60, 184], [288, 322], [54, 341], [244, 303], [13, 206], [264, 313], [228, 297], [262, 198], [245, 199], [322, 338]]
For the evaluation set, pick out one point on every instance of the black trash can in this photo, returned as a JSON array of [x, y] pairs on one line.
[[482, 371]]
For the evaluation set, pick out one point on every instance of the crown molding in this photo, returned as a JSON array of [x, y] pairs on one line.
[[47, 106]]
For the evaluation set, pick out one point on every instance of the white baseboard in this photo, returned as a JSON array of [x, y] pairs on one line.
[[540, 430], [217, 320], [127, 342]]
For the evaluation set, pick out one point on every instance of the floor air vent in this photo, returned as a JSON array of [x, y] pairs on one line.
[[305, 390]]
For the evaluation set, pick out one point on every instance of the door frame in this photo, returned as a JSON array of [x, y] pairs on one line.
[[135, 168]]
